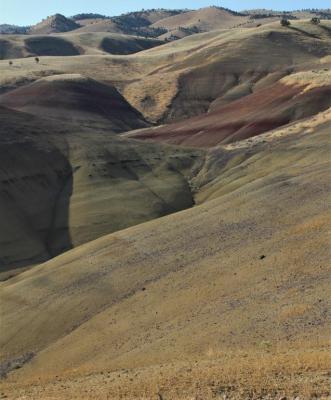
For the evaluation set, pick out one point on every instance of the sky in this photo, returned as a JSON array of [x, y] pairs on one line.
[[29, 12]]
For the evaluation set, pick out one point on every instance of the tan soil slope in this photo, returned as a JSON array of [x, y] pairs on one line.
[[294, 97], [230, 65], [205, 19], [220, 288], [184, 78]]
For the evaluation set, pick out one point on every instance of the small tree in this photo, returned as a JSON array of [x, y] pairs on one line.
[[315, 21], [37, 60], [10, 63], [285, 22]]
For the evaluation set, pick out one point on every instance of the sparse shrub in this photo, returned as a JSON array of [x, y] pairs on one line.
[[37, 60], [10, 63], [88, 16], [285, 22], [315, 21]]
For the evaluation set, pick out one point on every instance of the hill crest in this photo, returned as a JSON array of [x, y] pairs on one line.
[[57, 23]]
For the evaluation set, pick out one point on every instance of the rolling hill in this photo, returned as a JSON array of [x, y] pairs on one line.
[[13, 29], [72, 44], [71, 185], [163, 23], [197, 71], [54, 24], [105, 318], [204, 19], [76, 99], [134, 23], [164, 209], [275, 105]]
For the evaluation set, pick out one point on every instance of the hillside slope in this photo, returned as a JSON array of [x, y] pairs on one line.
[[196, 71], [135, 23], [163, 302], [159, 82], [62, 185], [294, 97], [204, 19], [53, 24], [75, 99], [72, 44]]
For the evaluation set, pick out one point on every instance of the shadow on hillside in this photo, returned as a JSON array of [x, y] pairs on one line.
[[311, 35], [326, 29], [36, 181]]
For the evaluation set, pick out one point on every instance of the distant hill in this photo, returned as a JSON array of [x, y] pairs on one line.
[[162, 23], [13, 29], [295, 14], [135, 23], [204, 19], [81, 16], [72, 44], [54, 24]]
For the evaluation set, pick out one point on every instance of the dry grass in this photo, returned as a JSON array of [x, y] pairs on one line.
[[309, 79], [266, 372]]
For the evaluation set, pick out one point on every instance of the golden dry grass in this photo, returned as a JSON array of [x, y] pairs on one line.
[[265, 373]]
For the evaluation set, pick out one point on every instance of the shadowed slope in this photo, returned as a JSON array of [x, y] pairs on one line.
[[72, 44], [49, 46], [136, 44], [77, 99], [62, 185], [99, 308], [35, 179]]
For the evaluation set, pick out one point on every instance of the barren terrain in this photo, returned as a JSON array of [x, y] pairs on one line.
[[165, 214]]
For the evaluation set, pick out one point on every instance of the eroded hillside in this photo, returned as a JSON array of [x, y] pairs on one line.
[[191, 258]]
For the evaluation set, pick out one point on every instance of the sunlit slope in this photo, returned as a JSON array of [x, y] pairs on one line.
[[246, 267], [295, 97], [197, 71], [184, 78], [203, 20]]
